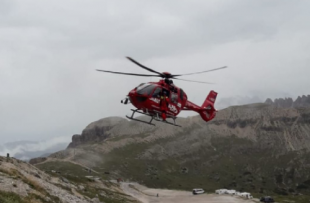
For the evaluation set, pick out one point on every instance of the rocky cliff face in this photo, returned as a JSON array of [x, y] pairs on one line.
[[261, 123], [261, 148], [303, 101], [96, 131]]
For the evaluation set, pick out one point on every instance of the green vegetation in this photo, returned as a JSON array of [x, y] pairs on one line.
[[292, 199], [72, 172], [31, 197], [236, 163], [10, 197]]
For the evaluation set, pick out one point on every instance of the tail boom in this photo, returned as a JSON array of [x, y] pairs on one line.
[[207, 110]]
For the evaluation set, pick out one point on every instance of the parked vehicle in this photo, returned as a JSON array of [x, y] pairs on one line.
[[239, 194], [198, 191], [267, 199], [230, 192], [234, 192], [220, 191], [246, 195]]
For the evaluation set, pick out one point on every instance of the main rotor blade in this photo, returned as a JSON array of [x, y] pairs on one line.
[[144, 67], [134, 74], [193, 81], [200, 72]]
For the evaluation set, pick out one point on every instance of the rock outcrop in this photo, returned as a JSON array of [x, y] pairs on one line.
[[20, 180], [96, 131], [25, 183], [37, 160], [303, 101]]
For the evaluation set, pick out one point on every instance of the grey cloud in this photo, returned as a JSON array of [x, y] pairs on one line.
[[26, 150], [237, 100], [49, 50], [109, 29]]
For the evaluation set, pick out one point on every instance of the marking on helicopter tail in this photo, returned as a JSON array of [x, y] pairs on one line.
[[207, 115]]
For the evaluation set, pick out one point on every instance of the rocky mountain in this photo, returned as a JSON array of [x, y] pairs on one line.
[[303, 101], [24, 183], [259, 148], [260, 123]]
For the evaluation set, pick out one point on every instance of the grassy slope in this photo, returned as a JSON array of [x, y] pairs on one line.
[[236, 163], [10, 197]]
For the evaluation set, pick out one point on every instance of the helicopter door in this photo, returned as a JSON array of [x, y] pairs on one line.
[[174, 102], [156, 97], [174, 98], [157, 92]]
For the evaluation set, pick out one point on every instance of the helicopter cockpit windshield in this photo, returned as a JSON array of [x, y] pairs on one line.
[[145, 89], [141, 86]]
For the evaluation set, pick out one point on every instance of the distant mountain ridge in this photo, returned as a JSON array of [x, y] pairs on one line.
[[301, 101], [254, 122]]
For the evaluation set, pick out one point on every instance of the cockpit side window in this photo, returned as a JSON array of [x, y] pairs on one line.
[[157, 92], [181, 94], [174, 97], [166, 92]]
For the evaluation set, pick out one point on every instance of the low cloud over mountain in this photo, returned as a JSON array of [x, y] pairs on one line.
[[26, 150], [237, 100]]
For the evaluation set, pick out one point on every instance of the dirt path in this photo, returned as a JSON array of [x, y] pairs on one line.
[[147, 195]]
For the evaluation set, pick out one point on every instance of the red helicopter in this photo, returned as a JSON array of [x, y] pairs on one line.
[[162, 100]]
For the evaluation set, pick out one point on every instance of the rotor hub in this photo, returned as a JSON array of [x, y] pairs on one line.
[[167, 75]]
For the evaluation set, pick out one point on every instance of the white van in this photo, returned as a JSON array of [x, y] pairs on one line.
[[220, 191], [198, 191], [246, 195], [230, 192]]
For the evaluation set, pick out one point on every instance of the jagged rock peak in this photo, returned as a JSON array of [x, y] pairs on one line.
[[269, 101], [96, 131], [301, 101], [105, 122]]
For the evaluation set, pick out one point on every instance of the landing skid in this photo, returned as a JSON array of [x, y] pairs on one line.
[[157, 118]]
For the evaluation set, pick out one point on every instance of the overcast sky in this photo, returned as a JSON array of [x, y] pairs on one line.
[[49, 51]]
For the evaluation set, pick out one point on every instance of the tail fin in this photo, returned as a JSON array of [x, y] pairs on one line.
[[210, 99], [208, 111]]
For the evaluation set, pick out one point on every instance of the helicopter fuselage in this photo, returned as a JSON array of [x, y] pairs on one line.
[[148, 97]]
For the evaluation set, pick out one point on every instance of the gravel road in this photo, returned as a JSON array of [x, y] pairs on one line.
[[147, 195]]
